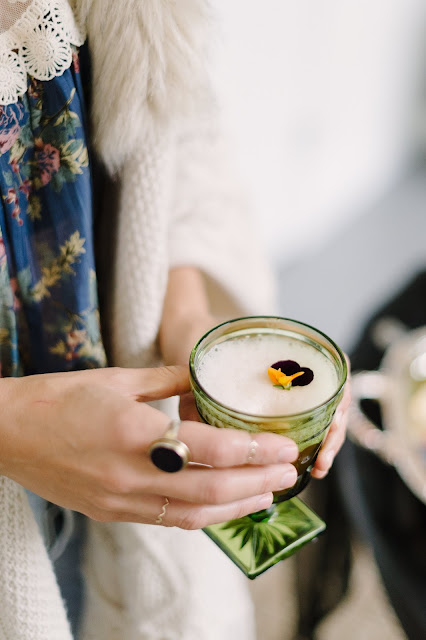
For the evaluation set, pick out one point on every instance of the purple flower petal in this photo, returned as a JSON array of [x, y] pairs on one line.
[[289, 367], [302, 381]]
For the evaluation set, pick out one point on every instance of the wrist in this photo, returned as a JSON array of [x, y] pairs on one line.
[[9, 402], [180, 334]]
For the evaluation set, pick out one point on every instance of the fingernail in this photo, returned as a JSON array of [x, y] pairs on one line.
[[288, 478], [288, 453], [265, 501]]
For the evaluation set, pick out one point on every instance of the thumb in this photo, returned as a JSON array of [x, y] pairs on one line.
[[144, 385]]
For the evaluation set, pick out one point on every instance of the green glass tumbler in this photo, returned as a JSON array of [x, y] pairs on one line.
[[258, 541]]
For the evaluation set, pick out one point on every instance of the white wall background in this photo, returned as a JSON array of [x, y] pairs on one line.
[[323, 101]]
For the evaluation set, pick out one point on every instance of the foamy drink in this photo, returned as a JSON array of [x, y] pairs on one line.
[[235, 374]]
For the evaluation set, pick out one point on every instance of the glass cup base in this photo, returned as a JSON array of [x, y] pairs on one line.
[[258, 541]]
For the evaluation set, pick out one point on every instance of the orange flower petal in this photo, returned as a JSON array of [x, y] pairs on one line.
[[274, 375], [277, 377]]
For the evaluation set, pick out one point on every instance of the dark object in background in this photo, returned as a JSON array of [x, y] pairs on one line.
[[323, 567], [379, 504]]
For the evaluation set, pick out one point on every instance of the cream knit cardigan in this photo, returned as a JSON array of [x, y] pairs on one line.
[[156, 131]]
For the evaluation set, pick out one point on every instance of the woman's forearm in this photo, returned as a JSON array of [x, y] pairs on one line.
[[186, 314]]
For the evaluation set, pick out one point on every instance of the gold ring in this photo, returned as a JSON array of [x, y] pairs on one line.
[[168, 453], [253, 446], [163, 512]]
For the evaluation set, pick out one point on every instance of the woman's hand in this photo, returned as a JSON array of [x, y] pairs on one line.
[[81, 439]]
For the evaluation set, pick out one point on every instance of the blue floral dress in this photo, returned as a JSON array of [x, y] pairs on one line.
[[49, 318]]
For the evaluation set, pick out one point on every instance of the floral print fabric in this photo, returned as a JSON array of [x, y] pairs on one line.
[[49, 319]]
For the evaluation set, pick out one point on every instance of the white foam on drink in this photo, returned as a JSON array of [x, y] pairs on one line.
[[235, 373]]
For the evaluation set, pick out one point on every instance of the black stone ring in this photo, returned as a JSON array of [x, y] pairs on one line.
[[168, 453]]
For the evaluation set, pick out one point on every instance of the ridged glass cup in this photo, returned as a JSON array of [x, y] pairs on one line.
[[259, 541]]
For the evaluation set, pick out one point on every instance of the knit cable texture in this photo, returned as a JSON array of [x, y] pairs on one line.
[[31, 607], [140, 271]]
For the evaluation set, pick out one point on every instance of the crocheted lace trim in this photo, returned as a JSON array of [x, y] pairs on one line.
[[37, 44]]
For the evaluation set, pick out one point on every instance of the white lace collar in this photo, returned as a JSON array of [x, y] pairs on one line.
[[37, 41]]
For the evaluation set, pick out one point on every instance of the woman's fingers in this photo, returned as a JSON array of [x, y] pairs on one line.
[[192, 517], [234, 447], [336, 435], [145, 385], [171, 512], [334, 440], [142, 424], [204, 485], [330, 448]]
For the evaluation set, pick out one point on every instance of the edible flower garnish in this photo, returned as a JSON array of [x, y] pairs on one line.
[[288, 373]]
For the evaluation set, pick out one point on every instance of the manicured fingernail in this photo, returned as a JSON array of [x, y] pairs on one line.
[[288, 478], [288, 453], [265, 501]]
